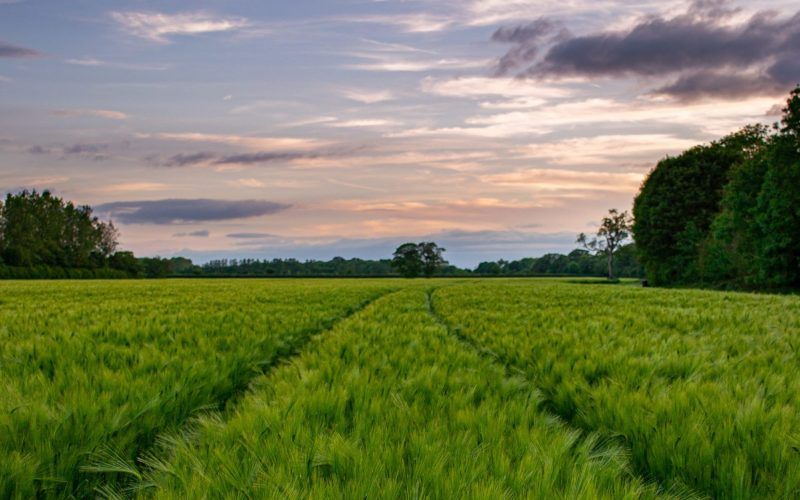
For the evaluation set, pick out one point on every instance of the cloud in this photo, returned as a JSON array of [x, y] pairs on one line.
[[159, 27], [250, 236], [135, 186], [80, 149], [249, 183], [716, 119], [516, 92], [8, 50], [368, 96], [187, 159], [406, 62], [203, 233], [261, 157], [362, 123], [409, 23], [99, 113], [567, 180], [249, 142], [89, 151], [173, 211], [92, 62], [527, 43], [264, 157], [705, 48], [606, 149]]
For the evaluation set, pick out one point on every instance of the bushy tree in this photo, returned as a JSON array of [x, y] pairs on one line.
[[39, 229], [678, 201], [413, 259], [432, 257], [407, 260], [755, 240]]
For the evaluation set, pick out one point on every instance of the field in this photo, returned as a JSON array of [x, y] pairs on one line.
[[396, 388]]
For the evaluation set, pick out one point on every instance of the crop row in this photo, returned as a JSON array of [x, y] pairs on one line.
[[91, 370], [389, 405], [702, 387]]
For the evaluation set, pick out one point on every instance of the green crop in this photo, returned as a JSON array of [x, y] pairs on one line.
[[702, 387], [96, 369], [514, 388], [390, 405]]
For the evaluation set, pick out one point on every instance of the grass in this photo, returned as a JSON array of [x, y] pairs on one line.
[[390, 405], [702, 387], [396, 388], [97, 369]]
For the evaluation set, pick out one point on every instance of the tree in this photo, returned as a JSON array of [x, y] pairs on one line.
[[108, 238], [432, 259], [614, 230], [407, 260], [679, 200], [411, 259], [755, 237], [39, 229]]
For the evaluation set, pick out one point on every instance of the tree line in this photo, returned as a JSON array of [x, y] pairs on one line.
[[43, 236], [726, 214]]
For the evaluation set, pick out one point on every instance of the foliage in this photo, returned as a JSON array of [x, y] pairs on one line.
[[727, 214], [700, 386], [413, 259], [755, 239], [614, 229], [579, 262], [337, 266], [90, 370], [41, 235], [678, 202]]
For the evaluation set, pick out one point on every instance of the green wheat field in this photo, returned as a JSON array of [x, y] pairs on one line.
[[383, 388]]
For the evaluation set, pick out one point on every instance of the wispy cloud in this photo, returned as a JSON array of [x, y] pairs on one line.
[[127, 187], [174, 211], [159, 27], [408, 62], [363, 123], [202, 233], [567, 180], [248, 183], [410, 23], [11, 51], [109, 114], [249, 142], [368, 96], [98, 63]]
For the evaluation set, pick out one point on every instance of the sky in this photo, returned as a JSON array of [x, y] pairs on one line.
[[314, 129]]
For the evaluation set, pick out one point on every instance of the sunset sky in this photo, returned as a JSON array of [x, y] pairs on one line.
[[310, 129]]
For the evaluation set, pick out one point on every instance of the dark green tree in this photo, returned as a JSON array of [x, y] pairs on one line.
[[755, 238], [432, 257], [39, 229], [407, 260], [678, 201]]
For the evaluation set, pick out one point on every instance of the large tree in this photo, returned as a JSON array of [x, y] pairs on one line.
[[407, 260], [42, 229], [755, 240], [614, 229], [413, 259], [679, 200], [432, 258]]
